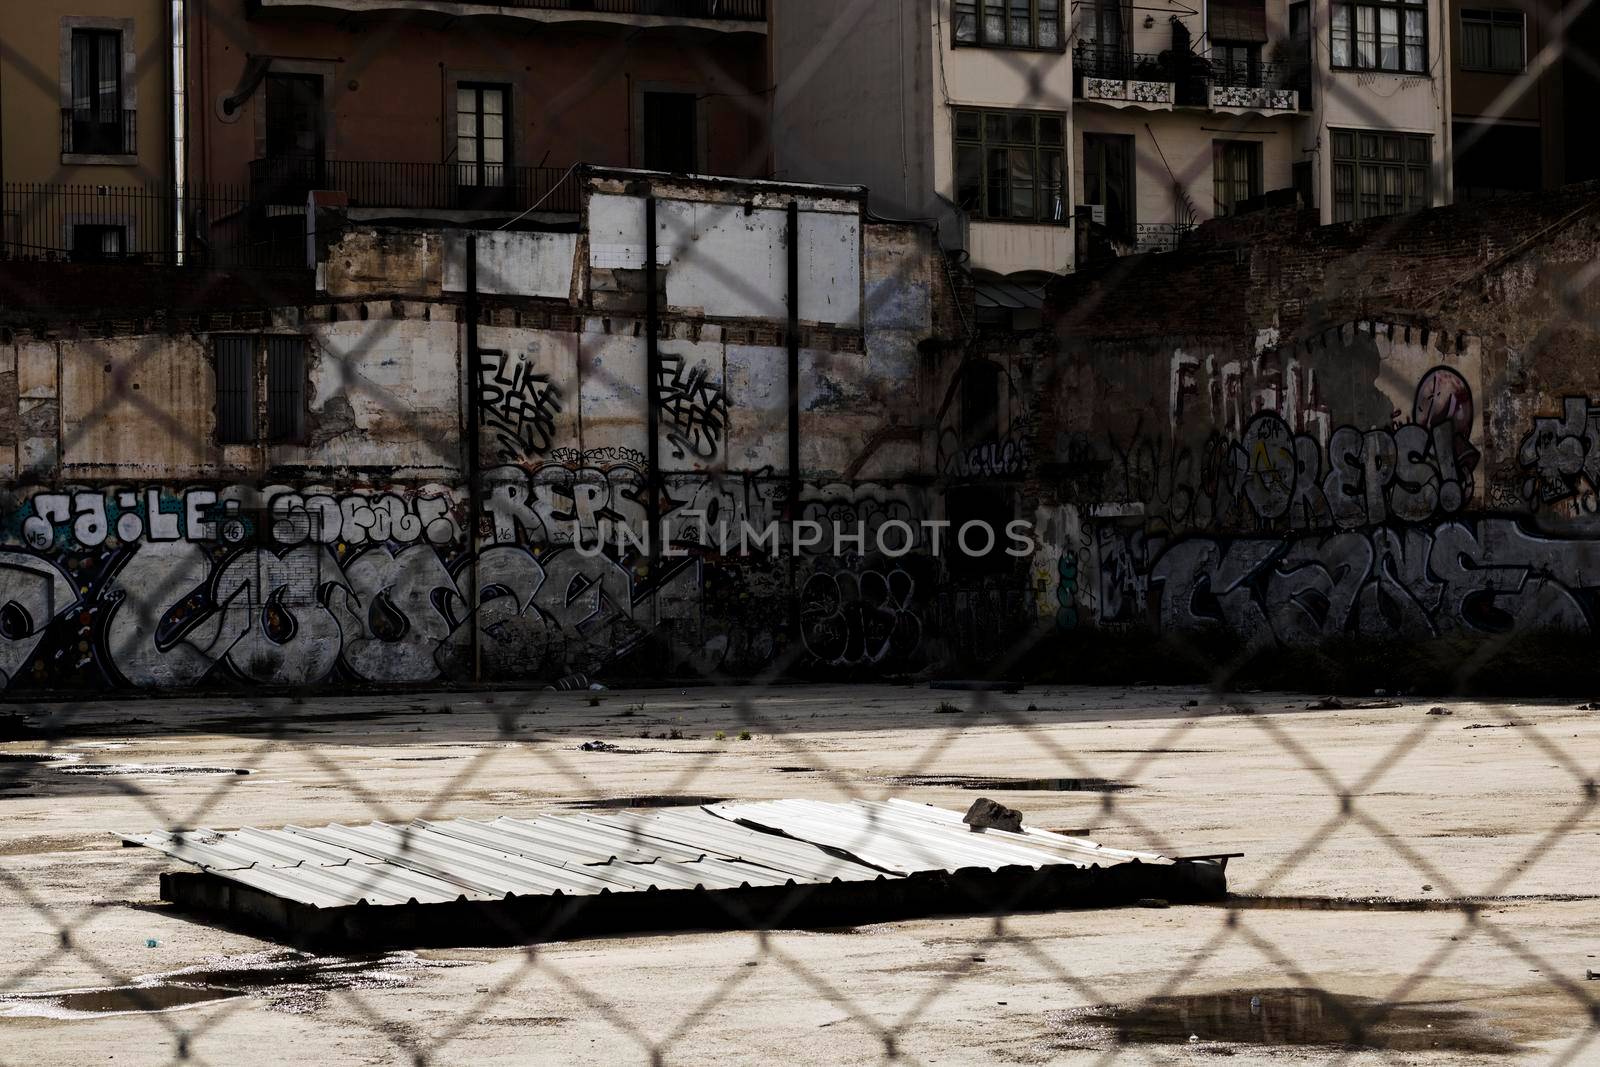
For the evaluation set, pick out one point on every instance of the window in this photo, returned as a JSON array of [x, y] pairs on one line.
[[286, 387], [1236, 174], [97, 242], [1379, 173], [1009, 165], [1236, 63], [238, 380], [482, 135], [236, 390], [671, 132], [1009, 23], [1389, 36], [95, 123], [1108, 180], [1492, 40]]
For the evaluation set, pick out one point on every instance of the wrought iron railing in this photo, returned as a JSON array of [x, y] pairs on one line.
[[92, 132], [1190, 74], [739, 10], [137, 224], [286, 180]]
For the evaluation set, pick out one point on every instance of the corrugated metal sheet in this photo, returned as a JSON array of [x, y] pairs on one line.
[[724, 846], [906, 838], [428, 862]]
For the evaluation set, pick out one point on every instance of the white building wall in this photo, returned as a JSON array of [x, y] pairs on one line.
[[1010, 79], [1373, 100]]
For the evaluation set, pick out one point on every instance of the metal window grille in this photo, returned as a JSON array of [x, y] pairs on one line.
[[236, 393], [286, 387]]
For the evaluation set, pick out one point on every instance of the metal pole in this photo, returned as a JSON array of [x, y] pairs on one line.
[[792, 335], [474, 378], [652, 325]]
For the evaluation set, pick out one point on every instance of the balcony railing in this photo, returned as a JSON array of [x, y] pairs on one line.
[[1185, 79], [1159, 236], [91, 132], [729, 10], [744, 10], [286, 181]]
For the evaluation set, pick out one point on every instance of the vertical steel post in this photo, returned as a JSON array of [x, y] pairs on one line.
[[652, 325], [792, 336], [474, 378]]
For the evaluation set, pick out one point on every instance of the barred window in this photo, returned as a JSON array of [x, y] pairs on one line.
[[1379, 173], [236, 390], [1492, 40], [1011, 165], [286, 387], [1008, 23], [1391, 35], [239, 379]]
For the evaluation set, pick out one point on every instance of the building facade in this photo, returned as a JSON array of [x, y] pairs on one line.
[[86, 105], [945, 112], [467, 112], [1008, 121]]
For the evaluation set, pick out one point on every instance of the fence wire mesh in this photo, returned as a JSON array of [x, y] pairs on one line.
[[1414, 887]]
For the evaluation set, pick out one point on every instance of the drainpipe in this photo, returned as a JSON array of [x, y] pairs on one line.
[[180, 118]]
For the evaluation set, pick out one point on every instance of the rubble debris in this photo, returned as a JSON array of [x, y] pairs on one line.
[[986, 814], [1335, 704], [598, 746], [1440, 711]]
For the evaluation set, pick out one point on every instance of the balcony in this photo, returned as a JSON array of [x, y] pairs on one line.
[[91, 132], [1182, 79], [287, 180], [729, 15]]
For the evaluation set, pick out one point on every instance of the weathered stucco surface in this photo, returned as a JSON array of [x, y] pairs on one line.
[[1294, 434]]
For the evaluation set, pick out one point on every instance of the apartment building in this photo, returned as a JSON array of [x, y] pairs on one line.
[[1035, 132], [1523, 79], [956, 113], [86, 106], [470, 111]]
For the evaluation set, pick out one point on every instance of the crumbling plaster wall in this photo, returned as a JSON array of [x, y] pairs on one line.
[[1379, 430]]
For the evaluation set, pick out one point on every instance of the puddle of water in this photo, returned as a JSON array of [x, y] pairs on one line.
[[116, 1000], [1285, 1017], [1041, 785], [286, 981], [646, 802]]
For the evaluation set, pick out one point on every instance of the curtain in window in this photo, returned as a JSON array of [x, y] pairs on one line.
[[96, 74]]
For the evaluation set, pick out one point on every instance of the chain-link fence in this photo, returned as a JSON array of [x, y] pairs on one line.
[[308, 613]]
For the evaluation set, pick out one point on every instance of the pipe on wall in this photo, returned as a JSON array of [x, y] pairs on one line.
[[180, 139]]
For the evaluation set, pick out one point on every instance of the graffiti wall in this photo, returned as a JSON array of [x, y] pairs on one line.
[[145, 544], [1341, 486]]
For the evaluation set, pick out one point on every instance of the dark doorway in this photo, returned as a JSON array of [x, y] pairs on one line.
[[296, 139], [671, 128], [1108, 180]]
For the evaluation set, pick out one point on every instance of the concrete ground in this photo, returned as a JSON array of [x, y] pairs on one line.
[[1491, 801]]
